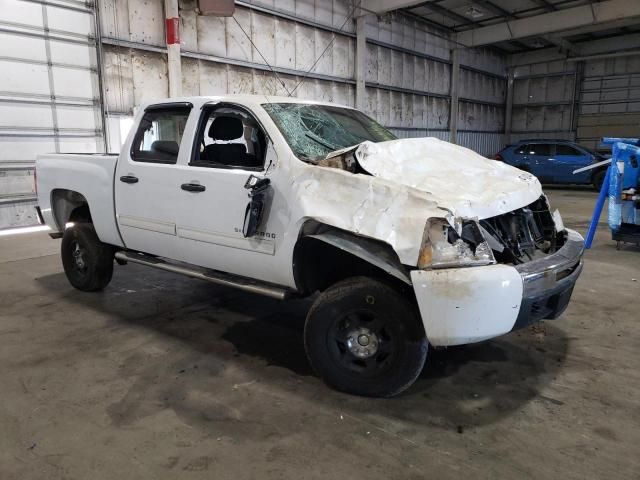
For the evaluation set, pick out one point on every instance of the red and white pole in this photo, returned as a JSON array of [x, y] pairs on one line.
[[174, 66]]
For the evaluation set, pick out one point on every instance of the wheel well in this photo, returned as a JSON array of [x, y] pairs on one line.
[[69, 206], [317, 265], [597, 172]]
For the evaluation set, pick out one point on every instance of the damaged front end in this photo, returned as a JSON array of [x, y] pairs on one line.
[[512, 238], [524, 234], [460, 244], [531, 263]]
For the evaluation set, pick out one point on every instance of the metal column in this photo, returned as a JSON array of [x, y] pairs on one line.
[[508, 108], [361, 62], [172, 21], [453, 115]]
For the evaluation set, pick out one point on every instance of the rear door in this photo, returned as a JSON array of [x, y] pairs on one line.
[[145, 183], [519, 158], [566, 160]]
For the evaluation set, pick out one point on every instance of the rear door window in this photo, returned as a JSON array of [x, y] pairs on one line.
[[568, 150], [539, 149], [159, 135]]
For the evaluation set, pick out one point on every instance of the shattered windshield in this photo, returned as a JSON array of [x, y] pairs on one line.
[[313, 131]]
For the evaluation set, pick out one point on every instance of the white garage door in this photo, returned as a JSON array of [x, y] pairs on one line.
[[49, 94]]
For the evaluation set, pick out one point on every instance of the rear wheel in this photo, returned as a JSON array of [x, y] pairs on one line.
[[598, 180], [87, 262], [364, 337]]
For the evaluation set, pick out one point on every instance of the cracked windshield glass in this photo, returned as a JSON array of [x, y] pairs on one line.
[[313, 131]]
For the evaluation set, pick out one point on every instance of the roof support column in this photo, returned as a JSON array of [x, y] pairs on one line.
[[172, 30], [575, 98], [453, 113], [361, 61], [508, 108]]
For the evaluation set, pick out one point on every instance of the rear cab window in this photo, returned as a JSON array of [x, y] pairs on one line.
[[159, 134]]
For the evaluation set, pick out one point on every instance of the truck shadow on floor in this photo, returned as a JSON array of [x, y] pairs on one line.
[[220, 328]]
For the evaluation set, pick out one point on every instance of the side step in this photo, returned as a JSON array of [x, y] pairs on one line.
[[213, 276]]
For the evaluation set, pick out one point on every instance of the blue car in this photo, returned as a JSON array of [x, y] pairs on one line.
[[553, 161]]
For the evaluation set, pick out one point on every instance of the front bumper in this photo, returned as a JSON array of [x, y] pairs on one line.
[[548, 282], [467, 305]]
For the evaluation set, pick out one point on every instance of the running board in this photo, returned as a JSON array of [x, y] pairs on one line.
[[213, 276]]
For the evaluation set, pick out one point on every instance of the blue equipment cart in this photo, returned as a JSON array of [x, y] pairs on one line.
[[622, 187]]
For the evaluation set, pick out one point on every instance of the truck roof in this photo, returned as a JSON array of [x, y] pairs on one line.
[[246, 99]]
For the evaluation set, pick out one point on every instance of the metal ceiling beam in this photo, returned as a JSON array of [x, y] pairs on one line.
[[591, 48], [517, 13], [383, 6], [564, 45], [596, 13], [495, 8], [435, 8], [550, 7], [428, 21]]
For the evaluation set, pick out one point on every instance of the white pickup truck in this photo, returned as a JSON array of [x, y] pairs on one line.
[[408, 242]]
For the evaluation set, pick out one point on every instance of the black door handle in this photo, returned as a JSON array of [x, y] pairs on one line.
[[193, 187], [129, 179]]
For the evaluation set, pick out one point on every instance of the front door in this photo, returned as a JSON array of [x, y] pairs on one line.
[[145, 183], [541, 161], [230, 147]]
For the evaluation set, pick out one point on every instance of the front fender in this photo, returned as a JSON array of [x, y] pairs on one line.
[[368, 250]]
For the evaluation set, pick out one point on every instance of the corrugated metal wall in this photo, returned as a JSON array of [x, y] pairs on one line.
[[49, 94], [50, 74], [543, 97], [582, 101], [609, 100], [408, 73]]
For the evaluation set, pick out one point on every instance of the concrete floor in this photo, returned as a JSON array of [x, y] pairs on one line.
[[162, 376]]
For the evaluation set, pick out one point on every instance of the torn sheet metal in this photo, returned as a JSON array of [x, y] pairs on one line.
[[366, 205], [366, 249], [456, 177], [410, 181]]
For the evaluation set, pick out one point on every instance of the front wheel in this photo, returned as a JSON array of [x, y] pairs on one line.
[[365, 338], [87, 262]]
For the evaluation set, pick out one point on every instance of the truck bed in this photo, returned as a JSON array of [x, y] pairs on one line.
[[89, 175]]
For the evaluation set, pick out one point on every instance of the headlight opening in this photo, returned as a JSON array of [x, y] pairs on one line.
[[448, 247]]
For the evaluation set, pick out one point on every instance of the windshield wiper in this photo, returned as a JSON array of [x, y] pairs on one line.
[[320, 142]]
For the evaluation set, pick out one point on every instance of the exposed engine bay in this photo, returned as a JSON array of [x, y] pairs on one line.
[[523, 234]]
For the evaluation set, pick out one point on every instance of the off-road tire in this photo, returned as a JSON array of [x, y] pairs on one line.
[[93, 271], [386, 317]]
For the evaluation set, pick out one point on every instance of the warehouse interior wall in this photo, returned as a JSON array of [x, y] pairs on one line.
[[72, 75], [408, 69], [582, 100], [50, 96]]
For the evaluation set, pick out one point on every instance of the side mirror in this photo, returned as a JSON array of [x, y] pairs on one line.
[[258, 189]]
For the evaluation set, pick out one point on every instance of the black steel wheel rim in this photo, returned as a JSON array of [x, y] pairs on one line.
[[363, 342], [78, 257]]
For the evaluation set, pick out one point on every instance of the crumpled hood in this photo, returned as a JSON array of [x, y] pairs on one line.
[[458, 178]]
